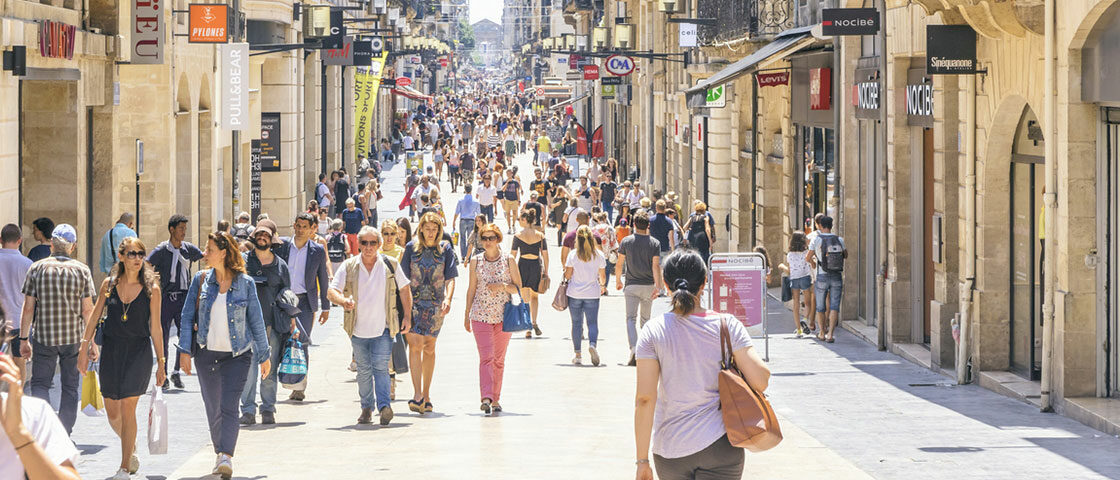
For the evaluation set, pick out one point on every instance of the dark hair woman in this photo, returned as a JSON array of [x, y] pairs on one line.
[[681, 351], [531, 251]]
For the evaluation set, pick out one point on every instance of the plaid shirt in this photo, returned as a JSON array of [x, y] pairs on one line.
[[58, 285]]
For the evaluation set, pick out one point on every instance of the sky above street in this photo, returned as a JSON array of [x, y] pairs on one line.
[[489, 9]]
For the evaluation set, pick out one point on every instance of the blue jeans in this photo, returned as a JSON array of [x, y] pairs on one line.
[[276, 342], [221, 377], [830, 285], [43, 360], [584, 309], [372, 356], [466, 228], [488, 211], [608, 208]]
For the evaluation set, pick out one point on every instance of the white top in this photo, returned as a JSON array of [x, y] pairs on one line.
[[370, 322], [635, 199], [217, 338], [40, 420], [798, 267], [585, 276], [572, 213], [486, 195]]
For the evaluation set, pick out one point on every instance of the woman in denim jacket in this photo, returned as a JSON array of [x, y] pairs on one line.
[[225, 347]]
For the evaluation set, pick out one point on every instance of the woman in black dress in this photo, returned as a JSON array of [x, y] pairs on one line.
[[532, 262], [699, 230], [131, 331]]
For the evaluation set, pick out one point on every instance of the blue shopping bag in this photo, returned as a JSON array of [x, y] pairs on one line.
[[516, 317], [292, 372]]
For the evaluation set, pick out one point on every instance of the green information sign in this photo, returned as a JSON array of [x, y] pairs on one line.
[[716, 98]]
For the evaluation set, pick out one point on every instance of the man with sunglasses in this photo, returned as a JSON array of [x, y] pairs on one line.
[[307, 268], [377, 300], [173, 259]]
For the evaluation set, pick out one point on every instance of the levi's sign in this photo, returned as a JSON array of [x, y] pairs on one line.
[[773, 79], [849, 21], [950, 49]]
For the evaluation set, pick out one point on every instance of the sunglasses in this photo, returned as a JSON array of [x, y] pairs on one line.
[[387, 234], [489, 238], [369, 243], [134, 254]]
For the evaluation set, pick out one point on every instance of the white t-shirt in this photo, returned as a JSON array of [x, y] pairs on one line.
[[40, 420], [798, 267], [585, 276], [815, 246], [572, 213], [635, 199], [370, 322], [217, 338], [486, 195]]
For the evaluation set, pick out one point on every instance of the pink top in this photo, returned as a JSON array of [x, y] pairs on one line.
[[489, 306]]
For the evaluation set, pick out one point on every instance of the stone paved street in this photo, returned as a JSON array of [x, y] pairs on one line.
[[848, 412]]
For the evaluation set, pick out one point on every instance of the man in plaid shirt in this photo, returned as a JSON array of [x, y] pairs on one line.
[[58, 300]]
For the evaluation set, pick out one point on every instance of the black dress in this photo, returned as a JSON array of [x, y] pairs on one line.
[[529, 268], [126, 352], [697, 237]]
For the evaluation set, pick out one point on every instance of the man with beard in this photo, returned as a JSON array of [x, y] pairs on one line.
[[270, 273]]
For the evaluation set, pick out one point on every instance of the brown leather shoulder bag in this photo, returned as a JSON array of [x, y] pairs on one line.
[[747, 415]]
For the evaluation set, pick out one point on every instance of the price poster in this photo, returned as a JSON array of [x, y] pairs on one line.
[[738, 291]]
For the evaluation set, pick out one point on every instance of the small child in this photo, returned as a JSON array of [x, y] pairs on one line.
[[799, 279]]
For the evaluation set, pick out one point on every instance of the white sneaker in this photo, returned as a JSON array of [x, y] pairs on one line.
[[122, 474], [223, 466], [594, 356], [578, 360], [133, 463]]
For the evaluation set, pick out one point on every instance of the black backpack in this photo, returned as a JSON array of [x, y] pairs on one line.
[[242, 232], [833, 254], [336, 248]]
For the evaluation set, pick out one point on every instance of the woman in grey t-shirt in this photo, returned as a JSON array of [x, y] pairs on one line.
[[678, 359]]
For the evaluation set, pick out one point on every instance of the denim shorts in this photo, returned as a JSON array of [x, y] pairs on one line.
[[803, 283], [832, 285]]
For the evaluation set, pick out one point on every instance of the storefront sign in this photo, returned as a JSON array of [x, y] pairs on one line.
[[950, 50], [687, 37], [443, 61], [919, 99], [208, 24], [606, 91], [270, 141], [820, 88], [255, 178], [365, 100], [56, 39], [865, 94], [849, 21], [597, 143], [619, 65], [610, 80], [147, 32], [338, 31], [591, 72], [404, 81], [363, 53], [340, 56], [716, 97], [773, 79], [235, 88]]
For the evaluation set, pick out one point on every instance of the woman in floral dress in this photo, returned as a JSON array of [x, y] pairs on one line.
[[431, 268], [494, 276]]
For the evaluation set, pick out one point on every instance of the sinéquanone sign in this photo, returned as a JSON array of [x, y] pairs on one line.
[[849, 21], [950, 50]]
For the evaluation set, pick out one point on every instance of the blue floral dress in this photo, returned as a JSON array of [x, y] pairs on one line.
[[428, 272]]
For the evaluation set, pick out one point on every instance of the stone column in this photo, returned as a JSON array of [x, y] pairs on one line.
[[720, 171]]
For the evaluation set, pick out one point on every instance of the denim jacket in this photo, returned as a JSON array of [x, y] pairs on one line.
[[246, 324]]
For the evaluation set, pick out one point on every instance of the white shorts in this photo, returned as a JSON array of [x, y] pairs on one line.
[[543, 157]]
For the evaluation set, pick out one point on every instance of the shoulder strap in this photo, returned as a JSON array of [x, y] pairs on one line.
[[727, 360]]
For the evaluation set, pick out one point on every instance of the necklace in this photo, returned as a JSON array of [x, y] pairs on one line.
[[124, 317]]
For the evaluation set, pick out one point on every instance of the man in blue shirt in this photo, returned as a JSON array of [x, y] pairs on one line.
[[112, 239], [465, 211], [13, 269], [660, 227], [307, 270], [172, 259]]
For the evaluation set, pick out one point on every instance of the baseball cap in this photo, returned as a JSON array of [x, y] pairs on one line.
[[66, 232], [269, 226]]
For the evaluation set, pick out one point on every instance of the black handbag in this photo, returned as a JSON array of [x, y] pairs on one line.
[[787, 289], [400, 354]]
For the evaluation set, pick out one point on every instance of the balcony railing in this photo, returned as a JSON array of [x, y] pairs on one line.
[[744, 18]]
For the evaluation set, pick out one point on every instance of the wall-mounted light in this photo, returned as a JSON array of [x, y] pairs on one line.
[[600, 38], [668, 6], [376, 7], [623, 36]]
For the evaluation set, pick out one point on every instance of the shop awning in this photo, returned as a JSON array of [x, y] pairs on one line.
[[409, 92], [785, 44], [569, 101]]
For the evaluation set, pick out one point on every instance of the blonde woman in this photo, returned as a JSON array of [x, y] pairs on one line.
[[130, 333], [389, 246], [585, 271]]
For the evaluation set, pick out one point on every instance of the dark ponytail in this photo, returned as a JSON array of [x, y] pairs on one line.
[[684, 272]]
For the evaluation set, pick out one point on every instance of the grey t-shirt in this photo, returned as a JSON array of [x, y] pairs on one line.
[[687, 418], [639, 251]]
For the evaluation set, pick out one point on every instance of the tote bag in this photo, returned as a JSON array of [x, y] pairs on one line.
[[747, 415], [560, 301], [516, 317]]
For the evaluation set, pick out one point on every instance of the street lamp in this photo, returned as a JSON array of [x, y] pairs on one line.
[[548, 43], [394, 14], [581, 43], [623, 36], [377, 7], [668, 6], [599, 38]]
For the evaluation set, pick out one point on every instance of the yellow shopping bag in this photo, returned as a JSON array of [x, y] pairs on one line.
[[92, 402]]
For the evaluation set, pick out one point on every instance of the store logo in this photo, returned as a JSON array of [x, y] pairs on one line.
[[208, 23], [849, 21], [773, 79], [919, 100], [620, 65], [865, 95]]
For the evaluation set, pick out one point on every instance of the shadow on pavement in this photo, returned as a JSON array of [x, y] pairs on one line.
[[90, 449], [273, 426]]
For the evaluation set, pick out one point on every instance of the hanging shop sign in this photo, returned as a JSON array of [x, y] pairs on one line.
[[255, 178], [365, 100], [849, 21], [270, 141], [607, 91], [773, 79], [364, 53], [147, 32], [573, 75], [610, 80], [56, 39], [950, 50], [619, 65], [340, 56], [820, 88], [208, 23], [687, 35], [716, 97], [337, 31], [404, 81], [235, 89], [865, 94], [443, 61], [590, 72], [919, 99]]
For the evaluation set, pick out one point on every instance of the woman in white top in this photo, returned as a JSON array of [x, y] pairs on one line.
[[800, 279], [585, 272]]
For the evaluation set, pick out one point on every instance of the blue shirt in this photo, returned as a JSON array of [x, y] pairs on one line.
[[353, 220], [467, 208], [39, 252], [297, 264], [109, 247], [660, 227], [13, 269]]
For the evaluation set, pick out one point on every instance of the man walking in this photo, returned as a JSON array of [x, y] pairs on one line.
[[639, 259], [486, 195], [58, 299], [307, 270], [465, 211], [270, 273], [377, 301], [112, 239], [172, 259], [827, 254], [13, 271], [661, 227]]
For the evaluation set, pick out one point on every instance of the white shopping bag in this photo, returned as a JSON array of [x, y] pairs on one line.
[[157, 423]]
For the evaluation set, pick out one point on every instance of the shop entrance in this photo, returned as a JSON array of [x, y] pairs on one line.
[[928, 267], [50, 152], [1026, 241], [816, 148], [1109, 264]]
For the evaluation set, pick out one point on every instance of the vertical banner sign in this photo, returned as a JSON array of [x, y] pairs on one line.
[[581, 140], [366, 85], [147, 32], [270, 141], [255, 178], [820, 88], [597, 142], [235, 88]]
